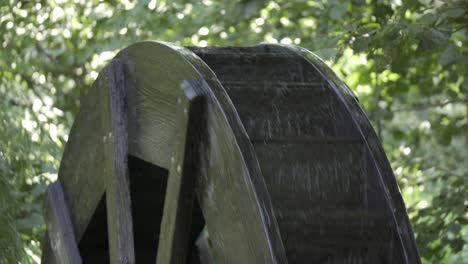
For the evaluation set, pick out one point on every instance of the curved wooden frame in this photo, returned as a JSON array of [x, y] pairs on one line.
[[376, 151], [169, 107]]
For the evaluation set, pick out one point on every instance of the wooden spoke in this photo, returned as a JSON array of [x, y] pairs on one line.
[[118, 201], [180, 193], [60, 234]]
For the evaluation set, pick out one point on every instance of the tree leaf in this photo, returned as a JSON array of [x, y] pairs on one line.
[[337, 12], [360, 44], [455, 12], [449, 56]]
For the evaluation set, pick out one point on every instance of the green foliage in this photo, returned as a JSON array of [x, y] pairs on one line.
[[406, 61]]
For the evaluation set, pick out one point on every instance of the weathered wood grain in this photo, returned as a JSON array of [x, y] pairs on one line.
[[321, 175], [185, 164], [118, 201], [60, 234]]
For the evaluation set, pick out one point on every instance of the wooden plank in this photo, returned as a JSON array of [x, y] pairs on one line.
[[176, 222], [119, 214], [60, 236], [379, 167]]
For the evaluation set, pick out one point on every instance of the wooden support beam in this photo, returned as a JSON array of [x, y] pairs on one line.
[[118, 201], [60, 235], [180, 193]]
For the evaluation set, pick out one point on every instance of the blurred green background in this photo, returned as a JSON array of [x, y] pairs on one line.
[[407, 61]]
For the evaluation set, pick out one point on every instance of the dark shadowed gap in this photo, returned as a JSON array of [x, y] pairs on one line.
[[148, 184], [94, 246], [199, 248]]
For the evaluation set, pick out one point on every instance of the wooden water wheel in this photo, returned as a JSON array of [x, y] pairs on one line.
[[224, 155]]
